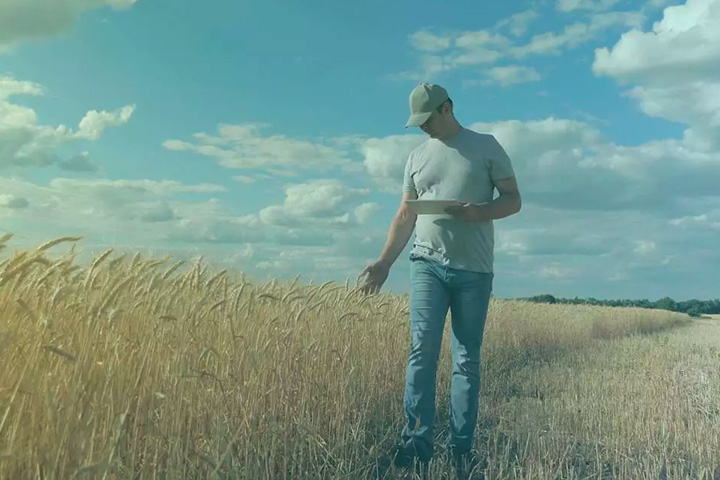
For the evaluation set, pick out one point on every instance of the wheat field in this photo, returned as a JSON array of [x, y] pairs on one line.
[[132, 368]]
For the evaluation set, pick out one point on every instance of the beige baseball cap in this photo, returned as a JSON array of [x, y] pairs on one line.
[[425, 98]]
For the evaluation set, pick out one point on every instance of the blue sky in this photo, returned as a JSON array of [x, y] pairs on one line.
[[269, 136]]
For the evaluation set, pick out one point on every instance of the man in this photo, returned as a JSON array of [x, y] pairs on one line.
[[451, 267]]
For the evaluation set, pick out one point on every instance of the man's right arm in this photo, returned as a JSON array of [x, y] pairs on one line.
[[401, 229]]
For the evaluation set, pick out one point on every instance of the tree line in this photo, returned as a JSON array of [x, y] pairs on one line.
[[694, 308]]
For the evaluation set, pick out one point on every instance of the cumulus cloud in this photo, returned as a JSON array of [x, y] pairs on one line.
[[596, 5], [11, 201], [99, 204], [246, 147], [94, 123], [365, 211], [507, 75], [576, 34], [518, 24], [644, 246], [79, 163], [215, 230], [385, 159], [22, 140], [22, 20], [249, 179], [427, 42], [683, 45], [320, 198], [449, 51], [120, 191], [156, 212], [569, 164], [25, 143], [675, 69], [526, 142], [607, 250], [324, 203], [545, 241]]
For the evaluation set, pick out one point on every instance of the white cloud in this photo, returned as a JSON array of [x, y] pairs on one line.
[[133, 212], [11, 201], [316, 203], [685, 44], [570, 165], [577, 34], [427, 42], [121, 191], [94, 123], [320, 198], [710, 220], [534, 239], [25, 143], [245, 147], [601, 248], [385, 159], [110, 205], [659, 3], [79, 163], [481, 39], [689, 221], [595, 5], [485, 47], [156, 212], [219, 229], [22, 20], [557, 271], [518, 23], [644, 246], [675, 69], [511, 75], [9, 87], [245, 179], [365, 211], [528, 142], [22, 140]]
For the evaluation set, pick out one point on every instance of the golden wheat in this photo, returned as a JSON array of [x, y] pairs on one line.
[[194, 378]]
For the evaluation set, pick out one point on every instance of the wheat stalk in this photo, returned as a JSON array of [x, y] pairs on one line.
[[57, 241], [90, 278], [212, 280]]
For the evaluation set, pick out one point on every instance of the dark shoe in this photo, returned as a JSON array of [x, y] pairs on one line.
[[405, 454], [465, 463]]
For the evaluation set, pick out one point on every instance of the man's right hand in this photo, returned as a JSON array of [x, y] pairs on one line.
[[375, 275]]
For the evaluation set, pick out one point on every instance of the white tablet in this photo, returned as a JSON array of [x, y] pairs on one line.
[[429, 207]]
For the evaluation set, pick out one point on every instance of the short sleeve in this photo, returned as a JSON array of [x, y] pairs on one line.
[[500, 164], [408, 182]]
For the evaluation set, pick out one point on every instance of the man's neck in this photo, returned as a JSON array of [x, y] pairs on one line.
[[452, 131]]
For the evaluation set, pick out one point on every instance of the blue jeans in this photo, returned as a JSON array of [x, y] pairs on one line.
[[435, 288]]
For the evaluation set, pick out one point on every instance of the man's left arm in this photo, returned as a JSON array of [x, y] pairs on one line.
[[509, 202]]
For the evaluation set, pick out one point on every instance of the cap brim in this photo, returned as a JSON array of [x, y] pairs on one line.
[[418, 119]]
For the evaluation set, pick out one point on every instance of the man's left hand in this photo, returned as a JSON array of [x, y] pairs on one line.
[[464, 211]]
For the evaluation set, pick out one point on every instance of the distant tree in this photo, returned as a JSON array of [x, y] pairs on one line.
[[546, 298], [697, 307], [666, 303]]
